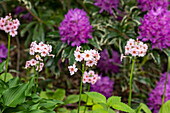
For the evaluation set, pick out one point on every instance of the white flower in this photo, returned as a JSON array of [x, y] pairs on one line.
[[44, 53], [33, 62], [78, 49], [7, 28], [127, 50], [32, 51], [90, 63], [27, 65], [13, 33], [2, 27], [145, 47], [131, 42], [72, 69], [91, 72], [134, 52], [78, 56], [87, 55], [141, 53], [38, 49], [37, 57]]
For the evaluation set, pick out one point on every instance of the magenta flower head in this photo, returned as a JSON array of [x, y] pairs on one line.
[[107, 5], [108, 63], [104, 86], [155, 97], [147, 5], [75, 28], [155, 28], [3, 52]]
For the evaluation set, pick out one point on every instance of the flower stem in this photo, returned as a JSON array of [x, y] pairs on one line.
[[81, 85], [130, 83], [37, 77], [34, 80], [163, 97], [9, 38], [87, 98]]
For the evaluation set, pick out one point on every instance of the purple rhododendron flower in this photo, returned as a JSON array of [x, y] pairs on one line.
[[155, 97], [108, 63], [26, 16], [107, 5], [147, 5], [75, 28], [3, 52], [155, 28], [103, 86]]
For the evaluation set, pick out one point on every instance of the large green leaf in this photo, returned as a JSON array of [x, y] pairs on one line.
[[13, 82], [59, 94], [144, 108], [8, 76], [113, 100], [2, 66], [14, 96], [96, 97], [71, 99], [123, 107], [166, 107], [30, 85]]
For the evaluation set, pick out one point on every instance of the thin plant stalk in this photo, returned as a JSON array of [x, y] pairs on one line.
[[34, 79], [81, 85], [87, 98], [9, 40], [130, 83], [163, 97], [37, 77]]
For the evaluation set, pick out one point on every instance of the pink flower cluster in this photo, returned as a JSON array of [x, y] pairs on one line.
[[39, 50], [90, 77], [136, 48], [90, 56], [9, 25]]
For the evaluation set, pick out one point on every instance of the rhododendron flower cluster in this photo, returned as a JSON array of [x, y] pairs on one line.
[[90, 77], [3, 52], [103, 86], [155, 28], [75, 28], [90, 58], [147, 5], [39, 50], [108, 62], [135, 48], [9, 25], [155, 97], [107, 5]]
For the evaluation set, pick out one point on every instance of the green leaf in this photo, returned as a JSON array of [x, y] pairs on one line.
[[27, 28], [14, 96], [84, 98], [167, 52], [99, 111], [2, 66], [71, 99], [35, 33], [59, 94], [94, 43], [113, 100], [166, 107], [123, 107], [34, 107], [30, 85], [65, 52], [111, 111], [71, 57], [13, 82], [41, 33], [96, 97], [156, 57], [8, 76], [97, 106]]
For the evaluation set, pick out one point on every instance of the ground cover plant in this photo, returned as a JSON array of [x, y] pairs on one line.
[[84, 56]]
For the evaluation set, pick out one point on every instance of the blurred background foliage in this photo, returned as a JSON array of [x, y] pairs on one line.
[[40, 20]]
